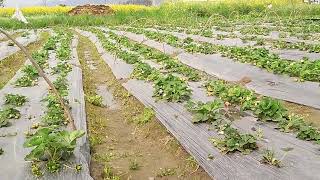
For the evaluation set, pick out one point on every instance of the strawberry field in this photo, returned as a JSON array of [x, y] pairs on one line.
[[205, 95]]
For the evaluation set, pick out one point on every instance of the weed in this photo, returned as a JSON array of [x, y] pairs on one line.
[[95, 140], [36, 170], [145, 117], [163, 172], [95, 100], [133, 165], [108, 174], [269, 158]]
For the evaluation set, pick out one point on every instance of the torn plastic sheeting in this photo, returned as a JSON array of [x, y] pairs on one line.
[[262, 82], [6, 50]]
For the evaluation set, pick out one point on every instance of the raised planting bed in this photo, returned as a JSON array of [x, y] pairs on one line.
[[261, 81], [300, 157], [7, 48], [39, 128]]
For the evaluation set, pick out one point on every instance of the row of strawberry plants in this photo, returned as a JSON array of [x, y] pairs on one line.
[[260, 57], [214, 113], [29, 77], [169, 63], [166, 87], [265, 108], [203, 112], [312, 48], [279, 44], [52, 144], [30, 74]]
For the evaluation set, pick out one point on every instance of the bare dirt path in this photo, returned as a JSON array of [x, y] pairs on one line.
[[121, 147]]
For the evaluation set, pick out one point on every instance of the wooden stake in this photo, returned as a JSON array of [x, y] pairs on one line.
[[42, 74]]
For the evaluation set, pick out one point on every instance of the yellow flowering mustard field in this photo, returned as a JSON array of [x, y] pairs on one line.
[[43, 10]]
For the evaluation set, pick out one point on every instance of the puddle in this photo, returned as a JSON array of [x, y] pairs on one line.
[[107, 97]]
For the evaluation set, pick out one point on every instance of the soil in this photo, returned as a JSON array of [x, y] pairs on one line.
[[91, 10], [121, 148], [311, 115]]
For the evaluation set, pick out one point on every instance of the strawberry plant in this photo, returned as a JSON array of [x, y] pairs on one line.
[[62, 68], [307, 132], [25, 81], [3, 120], [292, 123], [144, 71], [15, 99], [51, 43], [205, 112], [41, 57], [270, 109], [10, 113], [171, 88], [61, 85], [169, 63], [30, 71], [55, 113], [234, 141], [52, 145]]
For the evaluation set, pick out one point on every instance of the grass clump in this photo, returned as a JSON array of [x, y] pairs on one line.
[[145, 117], [163, 172], [269, 158], [95, 100], [133, 165]]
